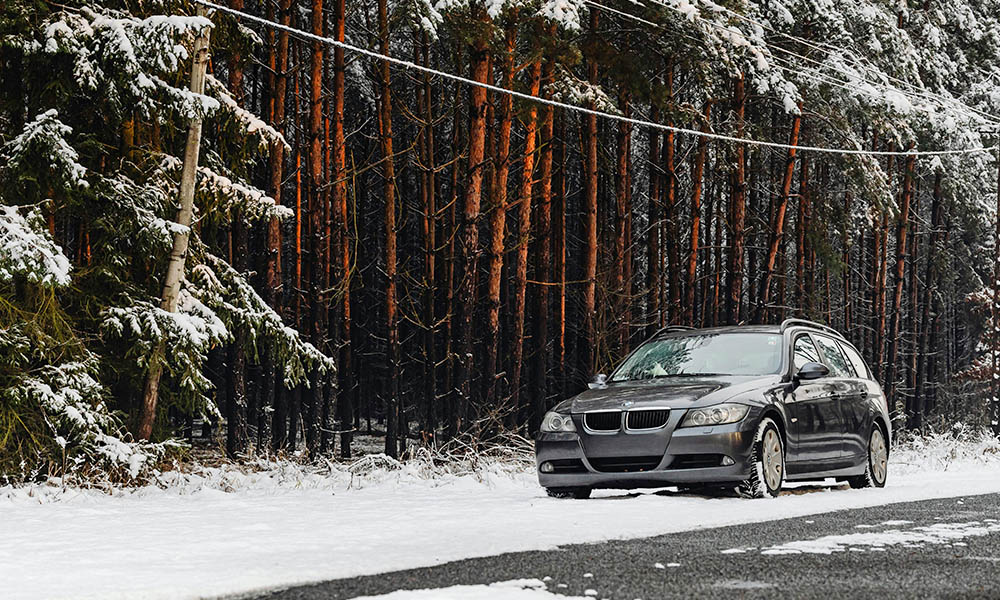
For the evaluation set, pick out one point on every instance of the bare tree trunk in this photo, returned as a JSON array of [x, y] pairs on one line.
[[902, 226], [392, 319], [523, 239], [697, 183], [281, 399], [348, 392], [654, 253], [994, 383], [479, 62], [430, 249], [737, 211], [498, 219], [543, 269], [590, 221], [778, 224], [621, 274]]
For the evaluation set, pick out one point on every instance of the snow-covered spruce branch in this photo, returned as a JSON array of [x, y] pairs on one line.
[[223, 290], [223, 193], [250, 123], [27, 250]]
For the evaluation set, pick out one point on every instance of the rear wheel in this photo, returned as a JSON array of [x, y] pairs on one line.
[[877, 466], [767, 463], [579, 493]]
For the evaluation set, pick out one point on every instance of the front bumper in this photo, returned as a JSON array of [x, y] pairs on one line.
[[734, 441]]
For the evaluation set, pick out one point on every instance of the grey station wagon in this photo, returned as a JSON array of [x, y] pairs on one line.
[[746, 407]]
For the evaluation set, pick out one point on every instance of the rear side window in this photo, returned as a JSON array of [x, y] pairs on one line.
[[856, 360], [804, 352], [835, 359]]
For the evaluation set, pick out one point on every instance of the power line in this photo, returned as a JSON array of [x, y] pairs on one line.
[[583, 110]]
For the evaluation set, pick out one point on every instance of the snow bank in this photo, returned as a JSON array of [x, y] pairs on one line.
[[228, 530]]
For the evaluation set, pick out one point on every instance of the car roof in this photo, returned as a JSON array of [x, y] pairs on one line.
[[788, 324]]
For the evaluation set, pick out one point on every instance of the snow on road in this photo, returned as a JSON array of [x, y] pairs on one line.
[[184, 543], [520, 589]]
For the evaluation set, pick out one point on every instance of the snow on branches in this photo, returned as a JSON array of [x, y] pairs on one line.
[[250, 123], [186, 336], [222, 289], [27, 250], [43, 145], [121, 58]]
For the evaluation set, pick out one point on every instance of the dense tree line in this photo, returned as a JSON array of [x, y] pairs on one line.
[[458, 259]]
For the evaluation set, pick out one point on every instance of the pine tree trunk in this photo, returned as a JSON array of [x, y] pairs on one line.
[[479, 63], [654, 255], [389, 174], [498, 218], [430, 248], [590, 222], [902, 227], [558, 177], [778, 224], [737, 212], [622, 192], [697, 183], [279, 60], [348, 392], [524, 206]]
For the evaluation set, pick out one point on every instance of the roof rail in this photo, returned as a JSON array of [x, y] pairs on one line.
[[805, 323], [670, 328]]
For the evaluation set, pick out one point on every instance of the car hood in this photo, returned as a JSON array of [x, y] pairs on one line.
[[679, 392]]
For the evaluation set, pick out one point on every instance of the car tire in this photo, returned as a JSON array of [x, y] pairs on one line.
[[767, 463], [877, 464], [579, 493]]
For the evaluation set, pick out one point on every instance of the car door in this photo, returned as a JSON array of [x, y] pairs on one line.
[[857, 407], [844, 384], [815, 423]]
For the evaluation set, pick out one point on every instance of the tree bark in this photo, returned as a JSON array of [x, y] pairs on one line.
[[778, 224], [697, 183], [737, 212], [389, 174], [590, 222], [524, 207], [479, 63], [902, 227]]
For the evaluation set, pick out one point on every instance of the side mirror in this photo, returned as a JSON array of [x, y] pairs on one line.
[[811, 371], [600, 380]]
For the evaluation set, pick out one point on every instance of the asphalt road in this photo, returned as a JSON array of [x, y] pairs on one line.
[[948, 548]]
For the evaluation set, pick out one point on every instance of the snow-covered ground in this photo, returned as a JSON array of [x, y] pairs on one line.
[[222, 531]]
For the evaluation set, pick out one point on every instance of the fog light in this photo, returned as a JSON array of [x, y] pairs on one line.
[[727, 462], [547, 468]]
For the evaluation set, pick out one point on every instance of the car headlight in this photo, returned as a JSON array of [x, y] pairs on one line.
[[720, 414], [557, 423]]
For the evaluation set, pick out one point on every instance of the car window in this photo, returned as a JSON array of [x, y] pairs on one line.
[[859, 364], [703, 354], [835, 359], [804, 352]]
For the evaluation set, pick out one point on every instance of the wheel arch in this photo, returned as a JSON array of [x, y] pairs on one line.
[[879, 421], [775, 415]]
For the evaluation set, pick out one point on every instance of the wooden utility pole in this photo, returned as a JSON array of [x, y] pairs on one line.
[[175, 268]]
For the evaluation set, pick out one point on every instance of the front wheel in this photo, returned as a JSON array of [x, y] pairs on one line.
[[579, 493], [767, 463], [877, 466]]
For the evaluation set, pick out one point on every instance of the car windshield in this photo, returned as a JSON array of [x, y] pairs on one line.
[[704, 354]]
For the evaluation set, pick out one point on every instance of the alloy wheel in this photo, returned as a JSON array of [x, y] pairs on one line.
[[878, 454], [773, 460]]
